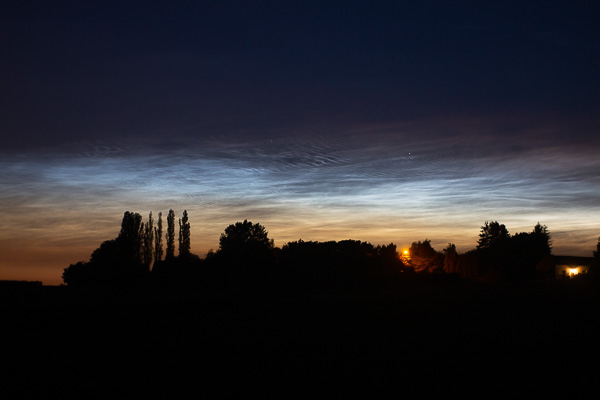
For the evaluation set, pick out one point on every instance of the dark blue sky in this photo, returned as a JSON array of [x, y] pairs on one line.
[[377, 121], [81, 70]]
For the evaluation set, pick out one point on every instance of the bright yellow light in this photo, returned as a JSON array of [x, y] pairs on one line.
[[573, 271], [405, 252]]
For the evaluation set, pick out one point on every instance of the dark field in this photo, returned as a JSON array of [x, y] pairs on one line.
[[419, 336]]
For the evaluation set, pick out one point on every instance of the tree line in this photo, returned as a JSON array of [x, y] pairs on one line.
[[498, 255], [132, 254], [247, 257]]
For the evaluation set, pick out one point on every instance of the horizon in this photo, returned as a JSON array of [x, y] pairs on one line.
[[377, 121], [437, 245]]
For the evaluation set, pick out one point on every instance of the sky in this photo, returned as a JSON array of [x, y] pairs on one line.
[[381, 121]]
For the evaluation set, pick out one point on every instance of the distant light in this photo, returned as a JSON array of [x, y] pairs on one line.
[[405, 252], [573, 271]]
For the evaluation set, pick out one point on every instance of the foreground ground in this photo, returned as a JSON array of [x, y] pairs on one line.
[[418, 336]]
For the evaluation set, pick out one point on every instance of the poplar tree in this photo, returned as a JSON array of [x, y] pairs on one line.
[[184, 235], [158, 246], [130, 239], [148, 241], [170, 235]]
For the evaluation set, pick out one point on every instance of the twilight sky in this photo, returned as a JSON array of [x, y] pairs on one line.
[[379, 121]]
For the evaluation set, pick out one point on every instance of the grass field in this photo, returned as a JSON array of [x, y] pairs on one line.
[[418, 336]]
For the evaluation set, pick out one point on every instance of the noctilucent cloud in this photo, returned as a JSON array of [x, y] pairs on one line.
[[373, 121], [387, 188]]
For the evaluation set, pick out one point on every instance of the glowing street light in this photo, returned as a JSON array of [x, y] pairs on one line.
[[405, 255]]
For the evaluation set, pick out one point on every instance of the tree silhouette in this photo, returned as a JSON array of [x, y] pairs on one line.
[[451, 260], [183, 269], [149, 241], [131, 237], [343, 265], [243, 237], [523, 253], [542, 238], [158, 235], [78, 274], [184, 235], [246, 244], [247, 256], [424, 258], [516, 257], [116, 262], [492, 232], [387, 252], [170, 235]]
